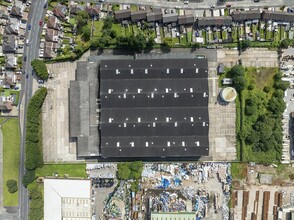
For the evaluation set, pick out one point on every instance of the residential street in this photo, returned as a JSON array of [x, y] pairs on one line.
[[37, 13], [193, 4]]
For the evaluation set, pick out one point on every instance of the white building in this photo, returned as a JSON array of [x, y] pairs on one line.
[[66, 199]]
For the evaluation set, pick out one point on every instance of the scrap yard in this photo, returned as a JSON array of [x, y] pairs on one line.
[[200, 190]]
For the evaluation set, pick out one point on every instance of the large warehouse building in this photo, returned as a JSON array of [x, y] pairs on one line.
[[145, 108]]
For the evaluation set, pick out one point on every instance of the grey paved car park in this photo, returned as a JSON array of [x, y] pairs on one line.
[[56, 144]]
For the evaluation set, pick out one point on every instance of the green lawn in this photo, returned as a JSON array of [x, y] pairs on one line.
[[189, 35], [118, 29], [11, 142], [224, 35], [282, 33], [269, 35], [73, 170], [72, 21], [97, 31]]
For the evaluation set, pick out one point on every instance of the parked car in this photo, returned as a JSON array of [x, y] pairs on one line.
[[40, 81], [29, 27], [27, 75], [45, 5], [40, 22], [25, 58]]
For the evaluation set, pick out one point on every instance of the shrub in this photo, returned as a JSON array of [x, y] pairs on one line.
[[40, 68], [28, 177], [250, 87], [12, 186], [267, 89]]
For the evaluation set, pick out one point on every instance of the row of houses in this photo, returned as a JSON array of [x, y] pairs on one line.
[[13, 24], [236, 16]]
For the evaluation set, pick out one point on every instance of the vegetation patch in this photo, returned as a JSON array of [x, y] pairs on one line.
[[33, 148], [11, 142], [40, 68], [259, 132], [62, 170], [238, 171], [36, 205]]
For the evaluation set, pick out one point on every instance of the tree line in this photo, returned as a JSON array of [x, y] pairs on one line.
[[33, 144]]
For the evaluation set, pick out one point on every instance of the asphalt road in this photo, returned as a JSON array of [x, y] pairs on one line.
[[31, 51], [198, 4]]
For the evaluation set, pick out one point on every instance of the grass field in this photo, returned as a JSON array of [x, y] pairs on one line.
[[97, 31], [73, 170], [239, 170], [11, 141]]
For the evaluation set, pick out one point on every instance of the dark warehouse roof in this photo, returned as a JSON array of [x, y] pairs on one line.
[[154, 108]]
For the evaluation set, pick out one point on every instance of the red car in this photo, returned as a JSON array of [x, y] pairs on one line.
[[40, 22]]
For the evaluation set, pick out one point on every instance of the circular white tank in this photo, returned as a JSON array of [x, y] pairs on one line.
[[228, 94]]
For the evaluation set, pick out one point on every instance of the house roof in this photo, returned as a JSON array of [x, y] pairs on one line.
[[6, 106], [138, 15], [92, 10], [186, 19], [83, 114], [58, 13], [10, 62], [154, 16], [169, 18], [47, 52], [76, 8], [16, 11], [134, 98], [214, 21], [51, 34], [278, 16], [246, 15], [67, 199], [52, 22], [8, 44], [122, 14]]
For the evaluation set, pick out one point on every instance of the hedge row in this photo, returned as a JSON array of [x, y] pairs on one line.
[[40, 69], [34, 157]]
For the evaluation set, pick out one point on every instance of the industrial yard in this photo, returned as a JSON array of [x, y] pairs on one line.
[[199, 190]]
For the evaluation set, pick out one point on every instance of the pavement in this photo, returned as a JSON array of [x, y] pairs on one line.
[[200, 4], [37, 13]]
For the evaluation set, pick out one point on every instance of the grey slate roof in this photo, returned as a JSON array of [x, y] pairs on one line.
[[186, 19], [246, 15], [169, 18], [154, 16], [138, 15], [9, 45], [154, 108], [83, 119], [122, 14], [278, 16], [214, 21]]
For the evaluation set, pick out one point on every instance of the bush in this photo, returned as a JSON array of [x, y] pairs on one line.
[[40, 68], [244, 44], [267, 89], [28, 177], [12, 186], [250, 87]]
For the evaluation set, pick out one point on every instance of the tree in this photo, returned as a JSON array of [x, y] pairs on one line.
[[82, 19], [252, 138], [239, 83], [237, 70], [12, 186], [108, 23], [285, 43], [250, 110], [86, 33], [276, 105], [123, 171], [112, 34], [250, 87], [244, 44], [40, 68], [150, 42], [94, 43], [29, 177]]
